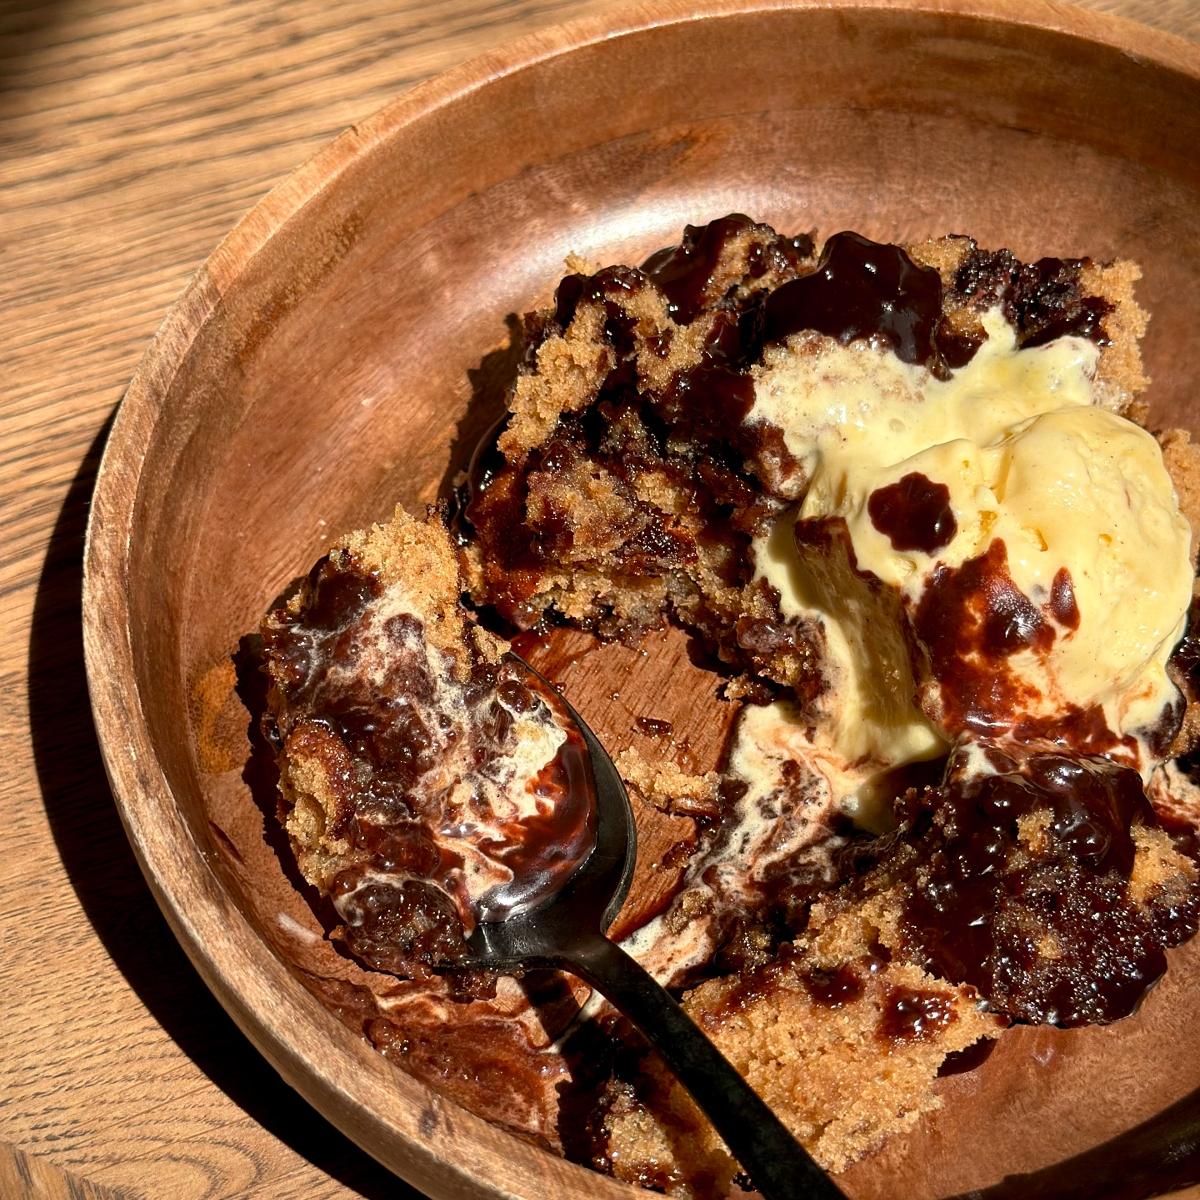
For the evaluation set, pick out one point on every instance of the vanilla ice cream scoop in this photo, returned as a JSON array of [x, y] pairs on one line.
[[988, 554], [1046, 574]]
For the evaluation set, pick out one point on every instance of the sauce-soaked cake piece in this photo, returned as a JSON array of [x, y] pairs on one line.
[[840, 1038], [1046, 882], [617, 491], [426, 784], [1047, 887]]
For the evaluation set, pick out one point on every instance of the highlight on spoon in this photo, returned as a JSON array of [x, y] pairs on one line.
[[543, 849], [590, 875]]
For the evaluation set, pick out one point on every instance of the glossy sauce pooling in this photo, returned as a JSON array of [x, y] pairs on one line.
[[1023, 888], [914, 513], [1062, 600], [833, 987], [394, 888], [685, 273], [913, 1015], [972, 619], [862, 289]]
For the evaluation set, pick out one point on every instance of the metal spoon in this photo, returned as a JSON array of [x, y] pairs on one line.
[[566, 931]]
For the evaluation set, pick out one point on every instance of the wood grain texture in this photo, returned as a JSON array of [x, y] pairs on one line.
[[27, 1175], [132, 138]]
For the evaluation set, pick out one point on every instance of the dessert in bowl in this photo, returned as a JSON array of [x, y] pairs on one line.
[[318, 372], [896, 494]]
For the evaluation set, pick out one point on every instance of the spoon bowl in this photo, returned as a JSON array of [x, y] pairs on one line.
[[536, 934]]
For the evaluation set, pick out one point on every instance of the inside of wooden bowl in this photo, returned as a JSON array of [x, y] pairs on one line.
[[351, 361]]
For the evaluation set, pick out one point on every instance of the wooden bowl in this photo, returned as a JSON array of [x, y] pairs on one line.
[[321, 365]]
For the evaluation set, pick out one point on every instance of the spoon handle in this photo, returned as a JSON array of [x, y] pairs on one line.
[[779, 1166]]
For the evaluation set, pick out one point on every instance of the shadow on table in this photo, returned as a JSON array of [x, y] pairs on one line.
[[26, 30], [109, 884]]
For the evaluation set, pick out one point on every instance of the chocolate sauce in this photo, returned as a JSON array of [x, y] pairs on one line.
[[379, 725], [1038, 918], [685, 273], [743, 944], [971, 620], [913, 513], [497, 512], [653, 727], [402, 848], [956, 347], [357, 692], [750, 987], [709, 403], [609, 287], [400, 926], [544, 851], [1046, 303], [337, 592], [486, 463], [1043, 300], [566, 299], [862, 289], [1062, 600], [834, 987]]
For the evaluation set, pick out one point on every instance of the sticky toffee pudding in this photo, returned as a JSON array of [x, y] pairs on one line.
[[902, 496]]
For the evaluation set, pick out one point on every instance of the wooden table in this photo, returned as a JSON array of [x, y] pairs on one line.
[[132, 136]]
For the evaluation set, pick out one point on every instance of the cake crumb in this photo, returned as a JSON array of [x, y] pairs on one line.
[[1182, 459], [668, 786]]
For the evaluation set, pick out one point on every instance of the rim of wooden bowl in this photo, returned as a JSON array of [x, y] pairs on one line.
[[400, 1120]]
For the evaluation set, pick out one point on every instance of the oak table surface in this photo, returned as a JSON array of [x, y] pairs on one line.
[[132, 137]]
